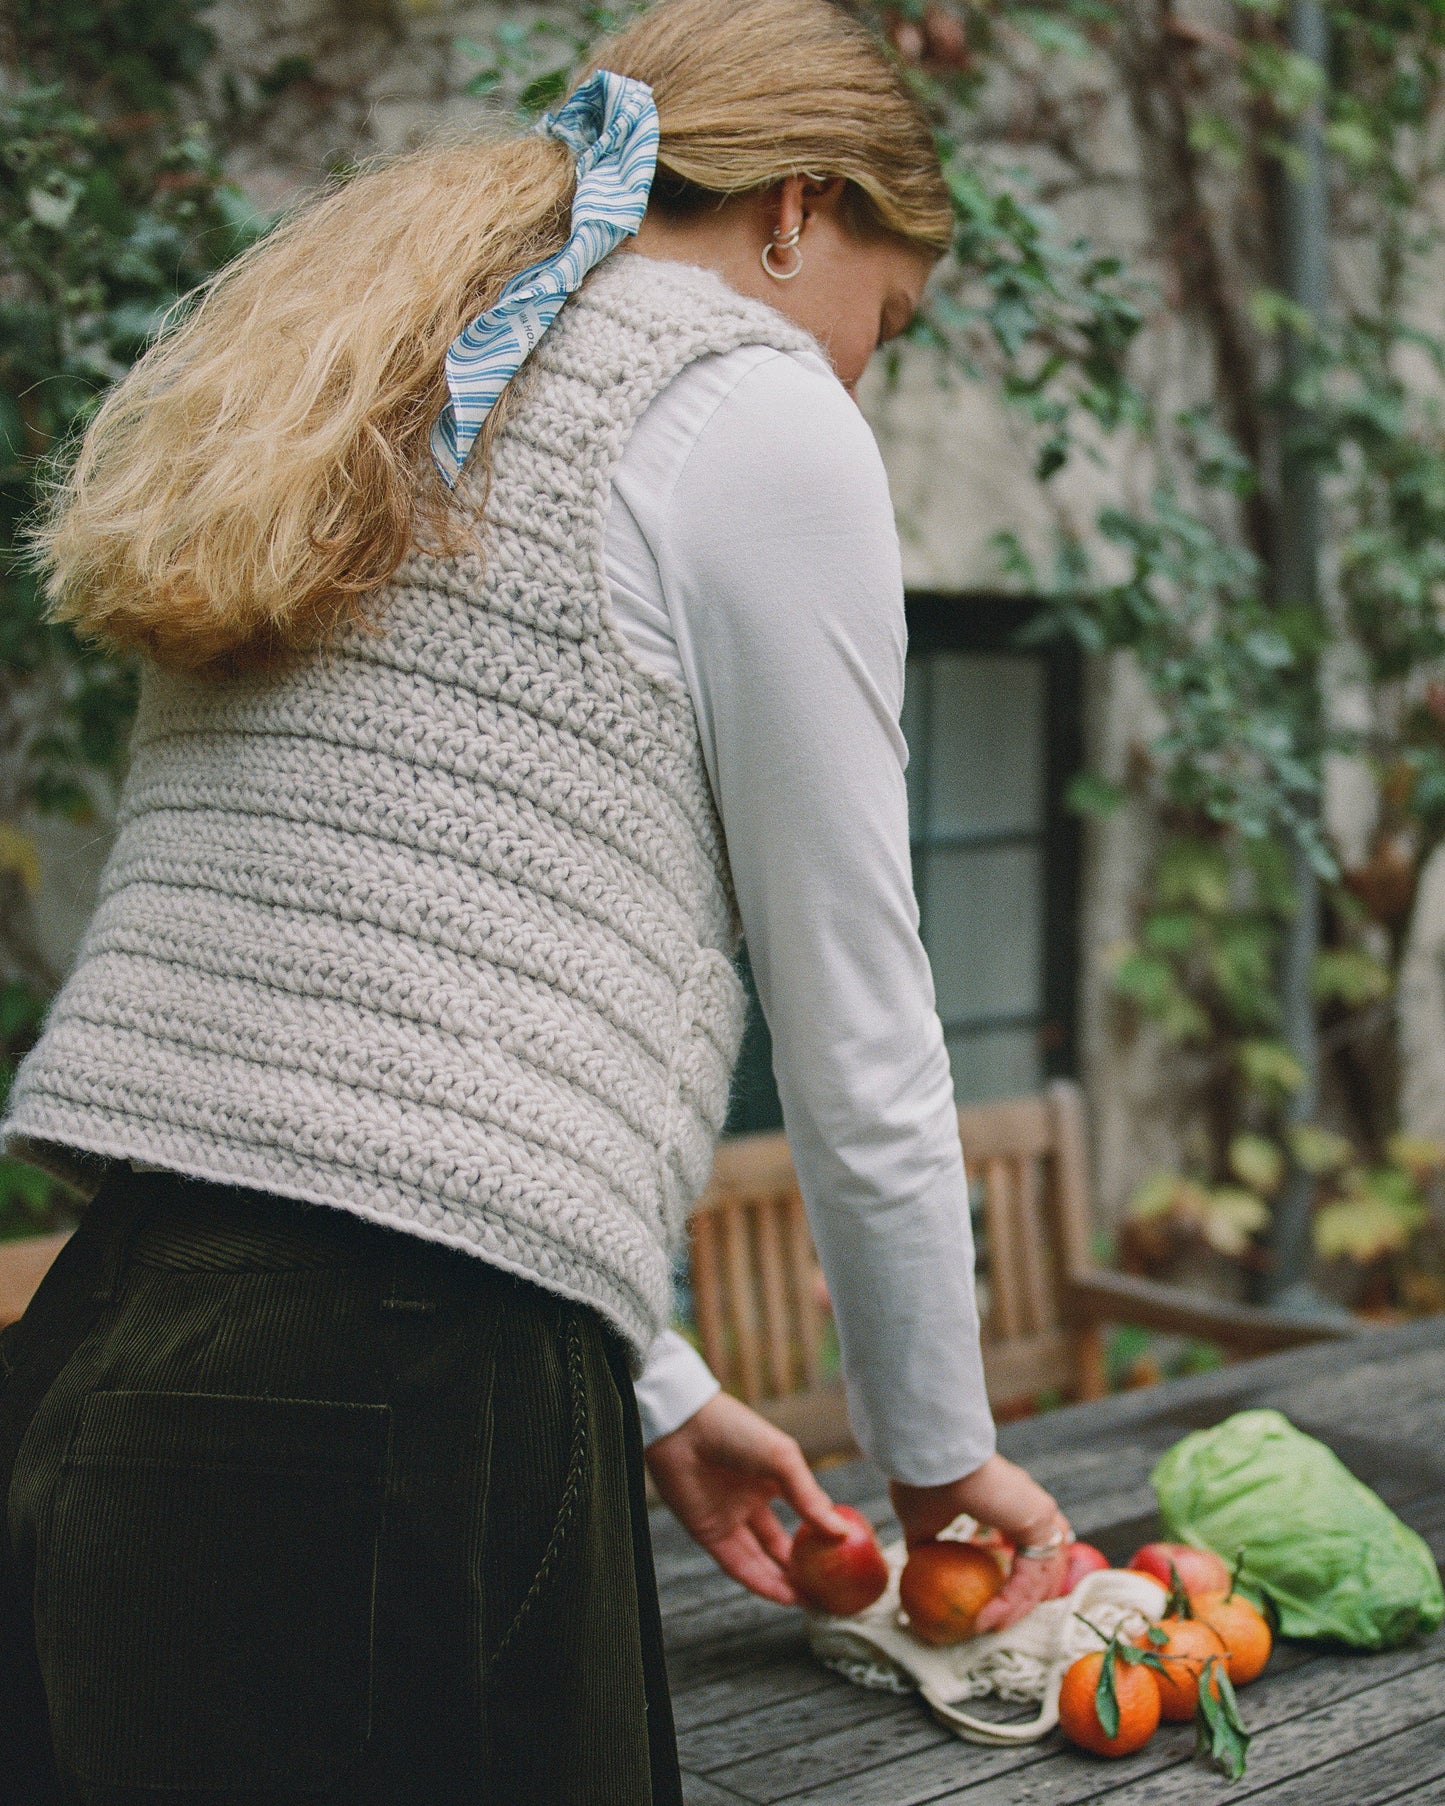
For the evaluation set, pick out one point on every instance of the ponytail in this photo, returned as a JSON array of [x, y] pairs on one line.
[[266, 463]]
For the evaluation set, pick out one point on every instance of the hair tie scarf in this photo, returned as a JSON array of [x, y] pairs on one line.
[[611, 125]]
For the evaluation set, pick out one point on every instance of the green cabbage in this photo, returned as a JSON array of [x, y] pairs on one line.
[[1331, 1556]]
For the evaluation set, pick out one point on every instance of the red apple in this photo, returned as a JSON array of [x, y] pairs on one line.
[[1082, 1559], [838, 1574], [1200, 1570]]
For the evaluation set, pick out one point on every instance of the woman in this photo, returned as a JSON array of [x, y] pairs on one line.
[[505, 658]]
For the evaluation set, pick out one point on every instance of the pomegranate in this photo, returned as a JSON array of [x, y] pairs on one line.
[[1200, 1570], [944, 1587], [839, 1575]]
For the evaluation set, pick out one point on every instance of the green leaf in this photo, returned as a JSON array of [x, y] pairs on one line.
[[1354, 142], [1220, 1733], [1318, 1150], [1350, 976], [1288, 81], [1194, 873], [1106, 1694], [1421, 1156], [53, 205], [1088, 794], [1380, 1214], [543, 91], [1257, 1162], [1215, 135], [1171, 932], [1270, 1068], [24, 1189], [1155, 1197], [1272, 312], [1232, 1217]]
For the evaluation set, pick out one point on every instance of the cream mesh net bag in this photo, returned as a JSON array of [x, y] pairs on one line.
[[1021, 1666]]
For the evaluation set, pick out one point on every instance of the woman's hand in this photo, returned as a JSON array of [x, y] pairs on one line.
[[1004, 1496], [720, 1472]]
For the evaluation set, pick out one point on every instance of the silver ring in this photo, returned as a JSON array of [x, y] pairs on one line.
[[1042, 1551]]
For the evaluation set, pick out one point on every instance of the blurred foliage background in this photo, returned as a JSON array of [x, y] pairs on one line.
[[112, 206]]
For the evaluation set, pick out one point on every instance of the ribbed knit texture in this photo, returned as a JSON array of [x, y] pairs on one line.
[[438, 928]]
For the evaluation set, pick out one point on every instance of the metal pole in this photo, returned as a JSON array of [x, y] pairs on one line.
[[1305, 210]]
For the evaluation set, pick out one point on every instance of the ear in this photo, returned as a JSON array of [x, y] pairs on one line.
[[799, 198]]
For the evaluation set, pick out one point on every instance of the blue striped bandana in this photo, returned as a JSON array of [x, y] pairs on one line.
[[611, 125]]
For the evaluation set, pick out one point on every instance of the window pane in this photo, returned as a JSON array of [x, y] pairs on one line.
[[984, 922], [986, 762], [999, 1063]]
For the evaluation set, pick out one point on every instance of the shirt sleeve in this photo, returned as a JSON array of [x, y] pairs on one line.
[[779, 561], [675, 1383]]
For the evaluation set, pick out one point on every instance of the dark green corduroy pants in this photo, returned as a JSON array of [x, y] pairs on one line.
[[300, 1506]]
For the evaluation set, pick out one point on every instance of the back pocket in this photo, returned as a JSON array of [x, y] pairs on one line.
[[205, 1590]]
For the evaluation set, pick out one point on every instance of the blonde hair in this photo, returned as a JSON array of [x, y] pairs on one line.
[[266, 463]]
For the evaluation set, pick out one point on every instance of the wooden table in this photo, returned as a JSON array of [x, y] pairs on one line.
[[759, 1720]]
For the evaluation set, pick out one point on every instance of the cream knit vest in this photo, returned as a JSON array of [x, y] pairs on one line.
[[438, 929]]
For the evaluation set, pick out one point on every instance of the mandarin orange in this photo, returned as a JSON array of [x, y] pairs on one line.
[[1187, 1645], [943, 1588], [1137, 1691], [1244, 1629]]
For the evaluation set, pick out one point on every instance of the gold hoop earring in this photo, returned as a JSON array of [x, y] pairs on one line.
[[783, 241]]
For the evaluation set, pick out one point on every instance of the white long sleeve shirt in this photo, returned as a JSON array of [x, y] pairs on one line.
[[751, 552]]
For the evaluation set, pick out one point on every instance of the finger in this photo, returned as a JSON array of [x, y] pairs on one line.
[[803, 1492], [770, 1533], [741, 1555], [1030, 1583]]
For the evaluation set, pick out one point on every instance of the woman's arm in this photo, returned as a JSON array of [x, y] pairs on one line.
[[779, 562], [777, 557]]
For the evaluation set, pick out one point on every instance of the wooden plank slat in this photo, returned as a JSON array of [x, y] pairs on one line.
[[1378, 1773], [1001, 1131], [698, 1791], [1122, 1298], [23, 1264], [1005, 1317], [1039, 1312], [817, 1420], [707, 1304], [884, 1730], [1027, 1365], [802, 1270], [778, 1339], [1091, 1376], [751, 1163], [1069, 1176], [738, 1265], [760, 1754]]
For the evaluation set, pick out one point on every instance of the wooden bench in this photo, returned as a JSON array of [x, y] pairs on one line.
[[23, 1264], [761, 1312]]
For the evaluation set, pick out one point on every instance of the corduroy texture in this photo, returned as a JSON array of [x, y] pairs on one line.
[[438, 927], [304, 1507]]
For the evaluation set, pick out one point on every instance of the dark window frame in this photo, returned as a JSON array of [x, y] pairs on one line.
[[939, 622], [983, 623]]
